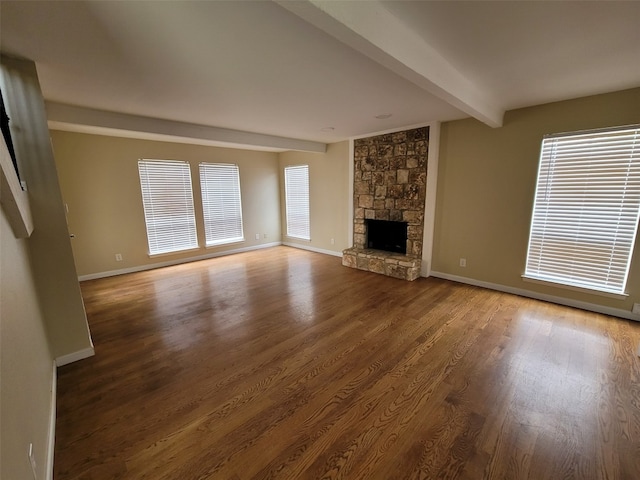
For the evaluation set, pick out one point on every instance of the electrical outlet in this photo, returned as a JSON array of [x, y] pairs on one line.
[[463, 262], [32, 461], [333, 241], [118, 257], [636, 308], [257, 236]]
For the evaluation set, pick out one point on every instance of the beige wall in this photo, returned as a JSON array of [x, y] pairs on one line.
[[26, 362], [486, 183], [49, 246], [100, 184], [328, 196]]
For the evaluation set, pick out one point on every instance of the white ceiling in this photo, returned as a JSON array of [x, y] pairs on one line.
[[291, 69]]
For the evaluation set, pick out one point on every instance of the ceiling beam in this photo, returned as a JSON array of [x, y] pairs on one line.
[[87, 120], [372, 30]]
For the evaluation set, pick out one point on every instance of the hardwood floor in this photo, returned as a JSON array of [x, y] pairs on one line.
[[283, 364]]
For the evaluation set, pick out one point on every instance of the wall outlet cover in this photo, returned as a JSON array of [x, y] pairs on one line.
[[636, 308]]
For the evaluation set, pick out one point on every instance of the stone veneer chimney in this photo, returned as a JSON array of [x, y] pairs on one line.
[[390, 177]]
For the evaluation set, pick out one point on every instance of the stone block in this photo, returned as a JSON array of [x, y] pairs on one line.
[[397, 162], [385, 151], [395, 215], [362, 263], [414, 217], [349, 260], [399, 137], [417, 177], [378, 178], [365, 201], [382, 214], [362, 188], [414, 232], [376, 265], [382, 163], [381, 190], [359, 239], [366, 176], [359, 213], [396, 271], [411, 191], [367, 164], [412, 274], [369, 213], [361, 151], [400, 150], [390, 177], [395, 191], [413, 161], [359, 228], [389, 203], [402, 176], [378, 204]]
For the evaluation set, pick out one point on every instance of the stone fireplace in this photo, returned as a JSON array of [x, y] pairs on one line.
[[390, 176]]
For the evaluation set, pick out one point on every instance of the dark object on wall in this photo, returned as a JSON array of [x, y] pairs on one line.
[[386, 235], [6, 133]]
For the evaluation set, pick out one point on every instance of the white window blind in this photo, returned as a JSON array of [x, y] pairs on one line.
[[222, 208], [586, 210], [296, 181], [168, 205]]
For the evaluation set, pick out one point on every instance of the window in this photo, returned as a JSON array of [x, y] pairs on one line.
[[586, 210], [220, 184], [168, 205], [296, 181]]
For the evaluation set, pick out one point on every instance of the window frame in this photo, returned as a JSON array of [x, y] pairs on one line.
[[297, 202], [227, 213], [171, 216], [573, 227]]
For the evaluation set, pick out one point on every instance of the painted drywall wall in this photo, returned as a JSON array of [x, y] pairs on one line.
[[100, 185], [486, 184], [26, 362], [328, 197], [49, 245]]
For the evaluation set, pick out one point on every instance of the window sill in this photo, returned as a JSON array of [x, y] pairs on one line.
[[618, 296], [177, 252], [224, 244]]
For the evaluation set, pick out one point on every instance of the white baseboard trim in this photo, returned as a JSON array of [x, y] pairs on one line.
[[313, 249], [592, 307], [75, 356], [141, 268], [51, 440]]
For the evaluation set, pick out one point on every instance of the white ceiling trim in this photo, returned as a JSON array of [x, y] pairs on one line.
[[100, 122], [375, 32]]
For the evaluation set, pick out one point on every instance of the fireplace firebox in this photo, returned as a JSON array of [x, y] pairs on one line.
[[387, 235]]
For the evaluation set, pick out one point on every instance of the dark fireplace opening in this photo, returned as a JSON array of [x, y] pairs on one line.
[[386, 235]]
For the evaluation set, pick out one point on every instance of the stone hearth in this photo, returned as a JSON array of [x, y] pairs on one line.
[[406, 267], [390, 176]]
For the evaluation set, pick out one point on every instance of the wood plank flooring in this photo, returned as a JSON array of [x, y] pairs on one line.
[[282, 364]]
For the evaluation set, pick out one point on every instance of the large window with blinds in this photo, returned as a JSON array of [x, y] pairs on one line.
[[586, 209], [167, 199], [221, 203], [296, 182]]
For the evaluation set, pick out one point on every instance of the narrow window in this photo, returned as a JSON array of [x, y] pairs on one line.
[[296, 181], [168, 205], [586, 210], [222, 208]]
